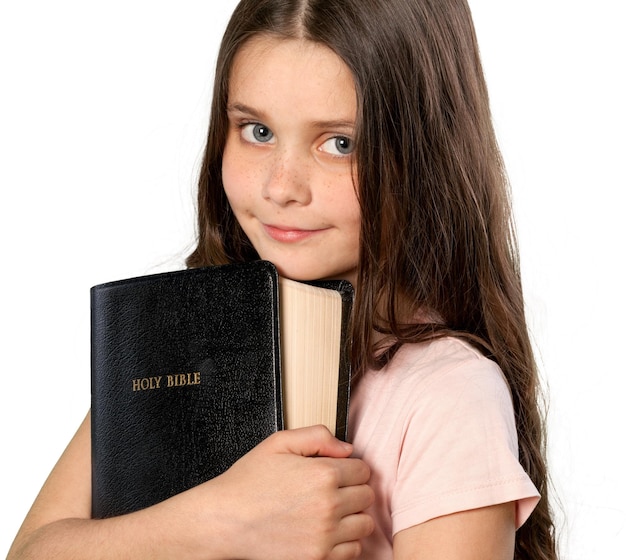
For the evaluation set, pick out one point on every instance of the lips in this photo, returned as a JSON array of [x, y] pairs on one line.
[[287, 234]]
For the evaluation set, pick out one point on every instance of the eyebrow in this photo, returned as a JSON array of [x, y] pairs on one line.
[[260, 115], [244, 109]]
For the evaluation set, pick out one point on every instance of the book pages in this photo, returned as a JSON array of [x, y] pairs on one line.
[[310, 319]]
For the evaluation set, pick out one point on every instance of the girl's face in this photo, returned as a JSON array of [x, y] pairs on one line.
[[288, 165]]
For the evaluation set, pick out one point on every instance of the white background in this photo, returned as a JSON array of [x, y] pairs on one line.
[[103, 109]]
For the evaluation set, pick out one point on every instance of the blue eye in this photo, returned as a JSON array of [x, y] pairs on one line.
[[338, 146], [256, 132], [344, 145]]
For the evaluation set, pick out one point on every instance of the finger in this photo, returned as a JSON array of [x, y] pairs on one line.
[[310, 442], [346, 551], [350, 471], [351, 530], [354, 500], [355, 527]]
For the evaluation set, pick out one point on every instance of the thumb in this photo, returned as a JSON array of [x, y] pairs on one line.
[[313, 441]]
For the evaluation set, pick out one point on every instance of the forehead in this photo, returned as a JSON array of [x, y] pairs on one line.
[[277, 72]]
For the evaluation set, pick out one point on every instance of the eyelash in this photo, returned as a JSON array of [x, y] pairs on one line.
[[269, 135], [243, 126], [340, 138]]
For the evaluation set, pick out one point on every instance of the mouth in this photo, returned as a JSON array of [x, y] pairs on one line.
[[288, 234]]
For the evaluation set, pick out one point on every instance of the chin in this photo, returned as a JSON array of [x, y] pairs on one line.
[[308, 269], [294, 273], [303, 274]]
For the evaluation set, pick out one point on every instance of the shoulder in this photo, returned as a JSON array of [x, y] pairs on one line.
[[430, 387], [441, 356], [437, 371], [437, 426]]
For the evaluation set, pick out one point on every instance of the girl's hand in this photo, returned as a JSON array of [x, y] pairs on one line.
[[296, 495]]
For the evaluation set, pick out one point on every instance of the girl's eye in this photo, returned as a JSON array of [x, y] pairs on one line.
[[338, 146], [256, 132]]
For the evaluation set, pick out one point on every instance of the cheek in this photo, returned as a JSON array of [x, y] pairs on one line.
[[346, 203], [235, 177], [354, 218]]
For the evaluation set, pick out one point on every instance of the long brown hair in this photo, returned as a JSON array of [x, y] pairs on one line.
[[437, 233]]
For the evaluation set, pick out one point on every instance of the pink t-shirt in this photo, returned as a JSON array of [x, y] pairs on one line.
[[436, 426]]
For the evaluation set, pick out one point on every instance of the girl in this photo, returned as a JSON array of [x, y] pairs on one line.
[[352, 139]]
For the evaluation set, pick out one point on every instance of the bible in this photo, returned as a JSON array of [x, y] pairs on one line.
[[191, 369]]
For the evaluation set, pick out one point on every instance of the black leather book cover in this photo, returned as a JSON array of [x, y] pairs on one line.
[[185, 379]]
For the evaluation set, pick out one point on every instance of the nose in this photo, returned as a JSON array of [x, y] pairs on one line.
[[288, 179]]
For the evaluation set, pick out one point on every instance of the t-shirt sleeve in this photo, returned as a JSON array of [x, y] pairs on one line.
[[459, 449]]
